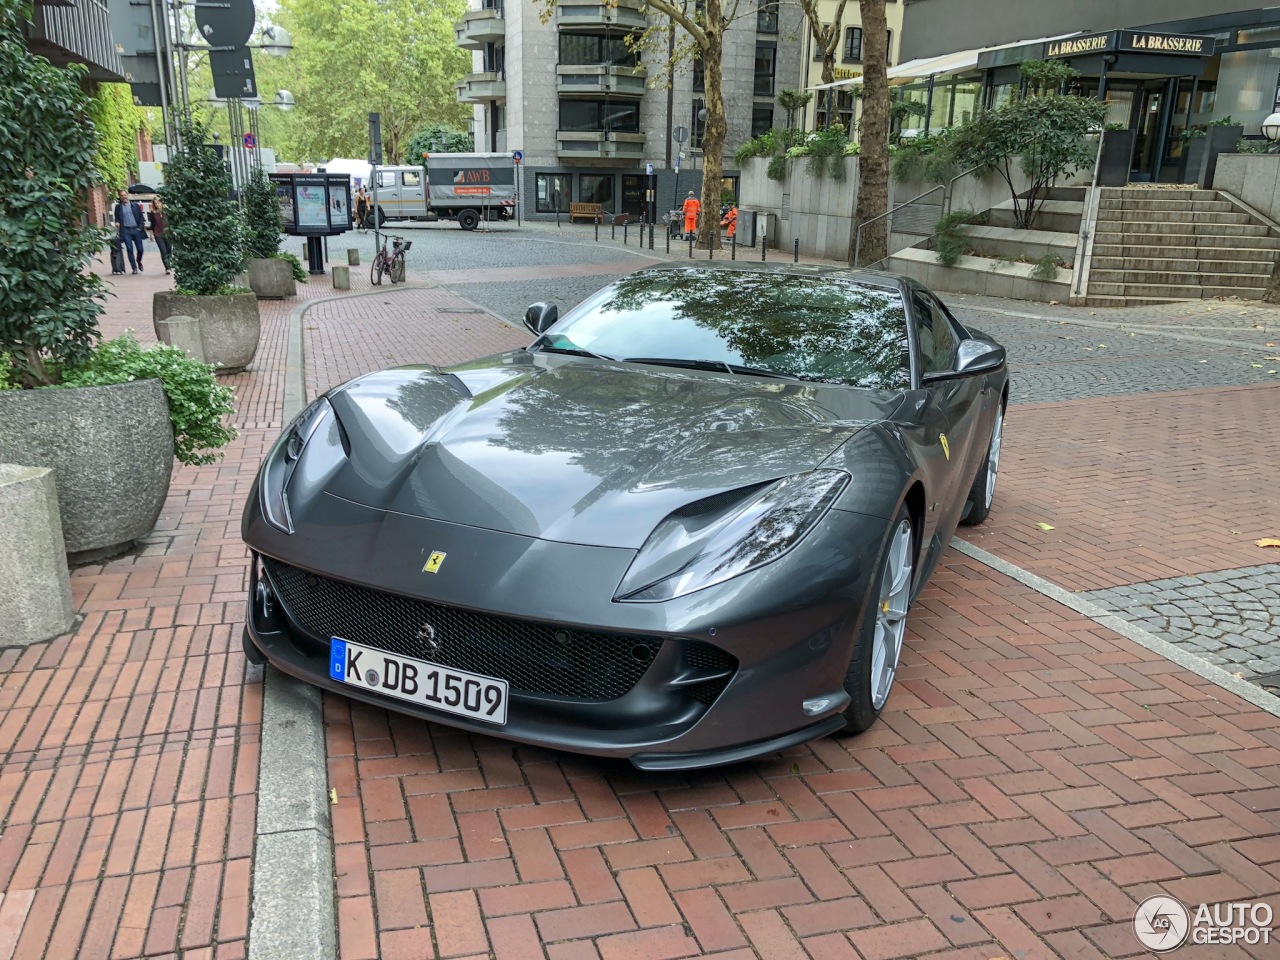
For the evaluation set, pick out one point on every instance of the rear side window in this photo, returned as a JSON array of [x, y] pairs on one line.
[[411, 178], [937, 339]]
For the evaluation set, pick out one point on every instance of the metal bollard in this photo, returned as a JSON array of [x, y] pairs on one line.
[[597, 226], [764, 245], [668, 240], [651, 226], [733, 247], [691, 247], [711, 247], [613, 230], [796, 256], [625, 225]]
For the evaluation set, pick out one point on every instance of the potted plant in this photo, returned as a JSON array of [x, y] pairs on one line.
[[111, 446], [208, 254], [1221, 136], [1117, 155], [271, 276]]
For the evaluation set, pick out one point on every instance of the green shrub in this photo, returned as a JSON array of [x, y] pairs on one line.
[[825, 152], [777, 169], [299, 273], [262, 223], [1253, 146], [49, 298], [198, 404], [948, 242], [204, 222], [1046, 268], [925, 157], [765, 145]]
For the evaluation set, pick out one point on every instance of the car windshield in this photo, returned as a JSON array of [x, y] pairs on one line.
[[824, 329]]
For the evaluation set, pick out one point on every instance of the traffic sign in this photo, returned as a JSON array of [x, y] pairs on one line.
[[680, 134], [517, 155], [250, 141], [648, 169]]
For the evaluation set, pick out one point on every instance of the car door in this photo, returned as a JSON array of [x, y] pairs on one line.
[[951, 409], [412, 194], [389, 194]]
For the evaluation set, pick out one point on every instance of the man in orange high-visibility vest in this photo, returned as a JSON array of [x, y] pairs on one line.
[[731, 220], [691, 208]]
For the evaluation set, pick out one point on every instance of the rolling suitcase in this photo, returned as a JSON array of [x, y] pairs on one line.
[[117, 256]]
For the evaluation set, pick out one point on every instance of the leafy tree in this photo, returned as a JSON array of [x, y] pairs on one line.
[[793, 101], [393, 57], [826, 41], [437, 138], [204, 222], [262, 223], [873, 163], [1042, 132], [49, 299]]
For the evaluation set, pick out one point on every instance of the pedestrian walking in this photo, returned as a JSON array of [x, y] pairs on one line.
[[730, 220], [362, 208], [691, 209], [159, 228], [131, 228]]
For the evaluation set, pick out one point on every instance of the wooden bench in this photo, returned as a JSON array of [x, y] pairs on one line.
[[592, 212]]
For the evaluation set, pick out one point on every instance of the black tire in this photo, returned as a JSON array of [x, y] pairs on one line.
[[982, 493], [376, 270], [862, 710], [468, 219], [382, 217]]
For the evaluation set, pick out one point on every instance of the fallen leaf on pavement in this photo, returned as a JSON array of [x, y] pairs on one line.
[[1239, 676], [1045, 526], [333, 796], [1256, 366], [1267, 542], [1271, 358]]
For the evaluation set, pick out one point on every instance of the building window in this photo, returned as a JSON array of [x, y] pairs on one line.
[[699, 77], [888, 49], [495, 57], [587, 49], [553, 192], [698, 126], [817, 47], [596, 188], [853, 45], [595, 116], [767, 17], [844, 105], [761, 119], [766, 64]]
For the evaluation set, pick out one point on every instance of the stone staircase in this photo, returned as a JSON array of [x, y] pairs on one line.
[[1159, 245]]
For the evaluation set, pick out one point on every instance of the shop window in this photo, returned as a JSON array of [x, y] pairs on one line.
[[552, 192], [596, 188]]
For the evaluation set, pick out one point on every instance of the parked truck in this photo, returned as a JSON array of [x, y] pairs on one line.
[[466, 187]]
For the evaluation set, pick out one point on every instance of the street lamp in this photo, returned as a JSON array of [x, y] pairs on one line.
[[1271, 127], [276, 41]]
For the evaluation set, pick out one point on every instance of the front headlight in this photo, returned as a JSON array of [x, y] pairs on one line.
[[727, 535], [280, 463]]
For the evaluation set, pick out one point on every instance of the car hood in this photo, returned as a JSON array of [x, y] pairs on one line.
[[579, 451]]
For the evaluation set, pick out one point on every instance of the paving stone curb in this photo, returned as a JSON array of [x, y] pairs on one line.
[[1144, 638], [293, 895]]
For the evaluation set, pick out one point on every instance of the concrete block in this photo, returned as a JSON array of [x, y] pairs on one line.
[[342, 278], [182, 332], [35, 603], [353, 257]]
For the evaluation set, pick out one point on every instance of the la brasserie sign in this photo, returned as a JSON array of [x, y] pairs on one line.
[[1132, 41]]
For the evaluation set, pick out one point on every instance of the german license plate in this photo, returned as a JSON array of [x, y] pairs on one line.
[[417, 681]]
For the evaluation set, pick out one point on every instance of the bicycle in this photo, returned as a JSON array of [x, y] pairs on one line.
[[393, 264]]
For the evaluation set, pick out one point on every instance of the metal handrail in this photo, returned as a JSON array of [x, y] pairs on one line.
[[857, 242], [951, 186]]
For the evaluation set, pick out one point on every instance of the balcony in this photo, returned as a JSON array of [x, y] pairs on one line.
[[478, 27], [628, 14], [480, 87], [593, 145], [598, 79]]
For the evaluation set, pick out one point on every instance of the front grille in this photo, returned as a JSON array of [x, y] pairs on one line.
[[533, 657]]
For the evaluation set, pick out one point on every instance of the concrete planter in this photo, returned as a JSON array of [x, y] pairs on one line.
[[1219, 140], [229, 325], [1117, 158], [271, 278], [111, 450]]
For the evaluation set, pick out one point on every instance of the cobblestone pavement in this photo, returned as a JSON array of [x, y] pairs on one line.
[[1229, 617], [1034, 777]]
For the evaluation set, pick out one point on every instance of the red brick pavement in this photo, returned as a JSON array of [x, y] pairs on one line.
[[1138, 488]]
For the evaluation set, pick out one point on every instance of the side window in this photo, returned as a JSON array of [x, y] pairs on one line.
[[386, 179], [411, 178], [937, 339]]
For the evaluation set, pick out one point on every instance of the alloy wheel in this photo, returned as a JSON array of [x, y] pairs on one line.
[[891, 614]]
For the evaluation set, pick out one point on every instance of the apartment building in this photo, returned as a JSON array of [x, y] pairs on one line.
[[841, 101], [590, 115]]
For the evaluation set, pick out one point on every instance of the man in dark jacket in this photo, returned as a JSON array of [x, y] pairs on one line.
[[132, 228]]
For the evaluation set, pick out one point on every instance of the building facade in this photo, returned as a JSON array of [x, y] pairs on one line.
[[590, 114], [841, 101], [78, 32], [1166, 68]]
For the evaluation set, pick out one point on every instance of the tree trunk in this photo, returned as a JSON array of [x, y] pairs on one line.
[[716, 128], [873, 153]]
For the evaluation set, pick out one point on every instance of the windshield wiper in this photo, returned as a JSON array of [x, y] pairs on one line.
[[571, 351], [722, 366]]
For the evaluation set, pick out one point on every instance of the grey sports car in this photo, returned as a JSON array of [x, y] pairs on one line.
[[684, 526]]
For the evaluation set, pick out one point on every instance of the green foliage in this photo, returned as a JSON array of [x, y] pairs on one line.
[[948, 242], [394, 57], [1226, 121], [299, 273], [1254, 146], [825, 152], [1046, 76], [924, 157], [775, 144], [437, 138], [117, 122], [1115, 127], [262, 223], [1046, 268], [901, 109], [49, 298], [777, 169], [765, 145], [793, 101], [198, 405], [204, 222]]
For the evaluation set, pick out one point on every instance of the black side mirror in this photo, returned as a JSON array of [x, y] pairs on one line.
[[540, 316]]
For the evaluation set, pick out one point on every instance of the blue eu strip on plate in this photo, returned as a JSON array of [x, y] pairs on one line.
[[337, 658]]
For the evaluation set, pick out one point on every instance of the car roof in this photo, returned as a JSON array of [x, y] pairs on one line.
[[874, 278]]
